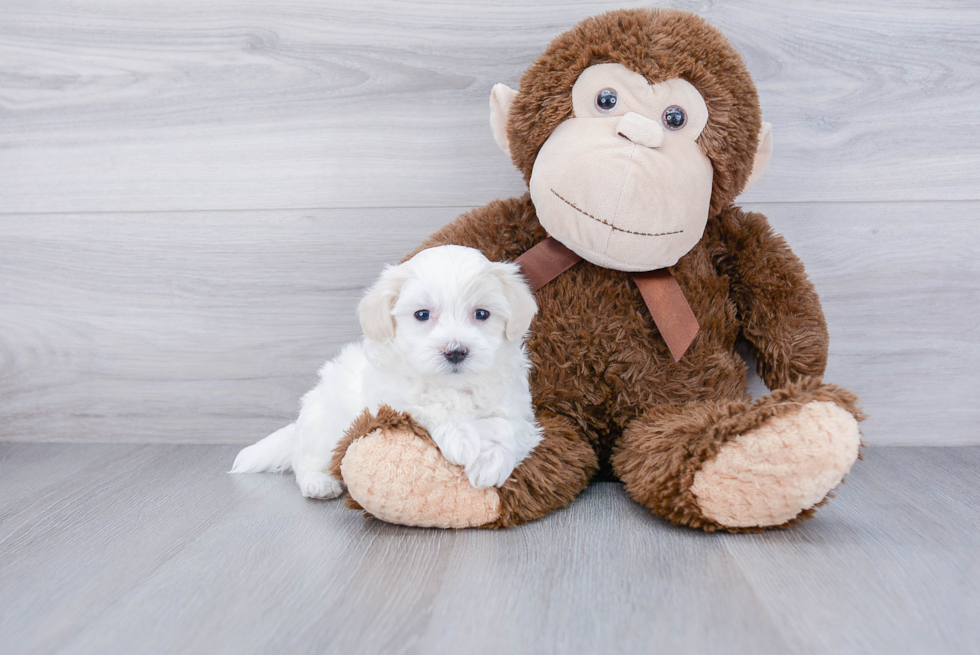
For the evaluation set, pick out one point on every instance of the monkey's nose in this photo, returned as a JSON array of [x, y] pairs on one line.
[[456, 355], [641, 130]]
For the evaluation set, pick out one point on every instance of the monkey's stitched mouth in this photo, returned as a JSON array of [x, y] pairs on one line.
[[607, 224]]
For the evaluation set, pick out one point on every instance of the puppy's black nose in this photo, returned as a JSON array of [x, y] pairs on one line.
[[456, 355]]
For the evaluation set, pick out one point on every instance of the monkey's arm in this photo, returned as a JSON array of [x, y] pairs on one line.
[[502, 230], [778, 307]]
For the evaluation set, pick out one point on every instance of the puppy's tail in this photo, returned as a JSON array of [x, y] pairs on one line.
[[272, 454]]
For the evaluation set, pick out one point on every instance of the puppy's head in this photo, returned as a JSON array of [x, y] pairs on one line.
[[448, 310]]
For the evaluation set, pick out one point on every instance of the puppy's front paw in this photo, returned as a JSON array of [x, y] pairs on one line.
[[319, 485], [492, 467], [459, 442]]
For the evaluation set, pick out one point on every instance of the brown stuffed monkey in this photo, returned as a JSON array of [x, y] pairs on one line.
[[635, 131]]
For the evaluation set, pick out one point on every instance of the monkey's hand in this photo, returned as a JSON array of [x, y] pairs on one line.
[[778, 307]]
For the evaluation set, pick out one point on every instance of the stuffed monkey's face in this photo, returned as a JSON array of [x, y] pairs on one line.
[[624, 182]]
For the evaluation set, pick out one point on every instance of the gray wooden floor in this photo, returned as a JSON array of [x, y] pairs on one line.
[[153, 548]]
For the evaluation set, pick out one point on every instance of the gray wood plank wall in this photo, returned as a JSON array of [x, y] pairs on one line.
[[193, 195]]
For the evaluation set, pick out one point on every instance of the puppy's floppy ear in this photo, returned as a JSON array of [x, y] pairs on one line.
[[374, 311], [519, 297]]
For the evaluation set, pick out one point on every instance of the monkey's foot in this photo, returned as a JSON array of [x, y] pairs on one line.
[[779, 470], [395, 472]]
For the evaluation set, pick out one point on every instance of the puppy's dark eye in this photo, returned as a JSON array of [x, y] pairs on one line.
[[674, 118], [422, 314], [481, 314]]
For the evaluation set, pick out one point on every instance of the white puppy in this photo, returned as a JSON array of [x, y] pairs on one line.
[[444, 342]]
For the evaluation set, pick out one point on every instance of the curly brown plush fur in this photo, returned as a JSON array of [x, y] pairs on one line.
[[606, 390], [599, 362], [660, 453]]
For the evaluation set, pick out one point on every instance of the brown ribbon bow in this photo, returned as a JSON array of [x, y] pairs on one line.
[[661, 293]]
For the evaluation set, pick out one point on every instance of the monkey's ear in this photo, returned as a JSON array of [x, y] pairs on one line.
[[500, 98], [762, 155]]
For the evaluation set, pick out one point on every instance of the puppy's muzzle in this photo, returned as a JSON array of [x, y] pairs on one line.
[[456, 355]]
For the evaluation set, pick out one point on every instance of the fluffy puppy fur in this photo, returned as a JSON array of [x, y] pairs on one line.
[[443, 341]]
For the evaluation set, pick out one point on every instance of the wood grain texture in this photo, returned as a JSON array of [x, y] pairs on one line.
[[181, 327], [208, 327], [154, 549], [133, 317], [920, 506], [148, 106]]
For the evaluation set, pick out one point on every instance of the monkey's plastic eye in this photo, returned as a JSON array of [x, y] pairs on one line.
[[422, 314], [605, 100], [674, 118], [481, 314]]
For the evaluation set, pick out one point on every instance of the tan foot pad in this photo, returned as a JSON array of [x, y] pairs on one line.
[[769, 475], [402, 479]]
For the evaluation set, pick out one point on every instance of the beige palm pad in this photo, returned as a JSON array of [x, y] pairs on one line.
[[663, 296]]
